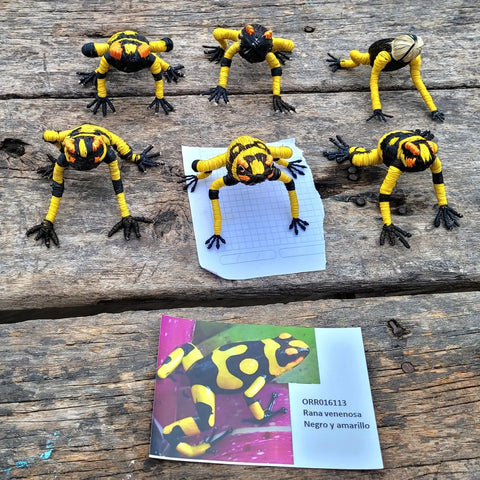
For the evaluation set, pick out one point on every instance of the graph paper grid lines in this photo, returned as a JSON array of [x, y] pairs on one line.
[[255, 223]]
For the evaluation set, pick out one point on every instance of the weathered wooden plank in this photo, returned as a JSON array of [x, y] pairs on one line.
[[81, 391], [44, 43], [162, 268]]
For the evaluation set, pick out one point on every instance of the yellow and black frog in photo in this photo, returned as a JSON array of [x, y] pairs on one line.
[[254, 43], [249, 161], [129, 52], [235, 367], [85, 148], [401, 151]]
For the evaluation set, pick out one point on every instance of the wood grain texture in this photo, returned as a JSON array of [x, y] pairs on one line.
[[83, 389], [40, 92], [45, 40], [76, 388], [163, 267]]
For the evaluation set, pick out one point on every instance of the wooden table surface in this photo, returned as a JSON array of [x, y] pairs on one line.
[[79, 323]]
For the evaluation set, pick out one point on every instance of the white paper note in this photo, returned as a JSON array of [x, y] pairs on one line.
[[333, 423], [255, 221]]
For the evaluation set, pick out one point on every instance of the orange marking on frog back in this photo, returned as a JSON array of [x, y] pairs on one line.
[[97, 142], [69, 144], [116, 50], [410, 161], [433, 146], [242, 162], [411, 147], [144, 50]]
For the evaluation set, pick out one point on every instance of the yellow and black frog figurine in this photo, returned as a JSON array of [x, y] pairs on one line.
[[85, 148], [249, 161], [388, 55], [254, 43], [129, 52], [235, 367], [401, 151]]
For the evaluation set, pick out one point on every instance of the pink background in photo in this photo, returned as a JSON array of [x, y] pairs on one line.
[[268, 443]]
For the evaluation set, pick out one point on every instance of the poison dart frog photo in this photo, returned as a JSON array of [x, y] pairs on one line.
[[401, 151], [249, 161], [244, 367], [129, 52], [254, 43], [388, 55], [85, 148]]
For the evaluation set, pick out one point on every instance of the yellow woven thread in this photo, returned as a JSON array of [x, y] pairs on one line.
[[156, 67], [385, 211], [223, 77], [119, 144], [280, 153], [363, 158], [212, 164], [418, 82], [50, 136], [217, 213], [158, 46], [58, 173], [386, 188], [101, 87], [221, 35], [283, 45], [380, 61], [356, 58], [390, 180], [439, 188], [159, 89], [273, 62], [294, 209], [56, 138], [103, 68], [114, 170], [440, 194], [203, 175], [101, 48], [53, 209], [217, 217], [276, 85], [122, 204]]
